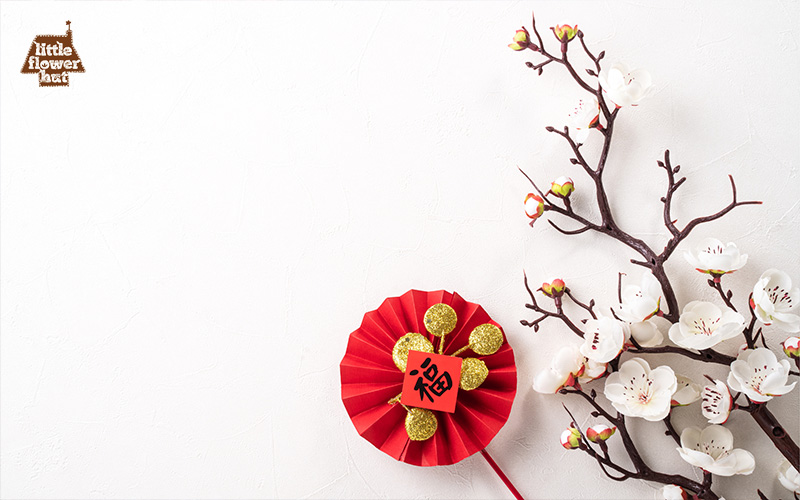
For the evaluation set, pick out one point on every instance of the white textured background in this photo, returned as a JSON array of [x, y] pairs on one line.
[[191, 230]]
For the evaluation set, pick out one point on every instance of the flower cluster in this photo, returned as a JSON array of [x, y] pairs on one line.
[[648, 318]]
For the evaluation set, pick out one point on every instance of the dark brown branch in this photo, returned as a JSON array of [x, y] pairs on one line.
[[671, 188], [780, 438], [604, 461], [643, 471], [575, 149], [569, 233], [559, 314], [748, 331], [671, 429], [716, 284], [683, 233], [595, 60], [588, 307], [707, 355], [536, 188]]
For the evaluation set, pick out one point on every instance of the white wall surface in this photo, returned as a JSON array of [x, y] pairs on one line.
[[191, 230]]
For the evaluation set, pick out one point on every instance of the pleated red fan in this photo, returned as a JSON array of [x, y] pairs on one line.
[[370, 379]]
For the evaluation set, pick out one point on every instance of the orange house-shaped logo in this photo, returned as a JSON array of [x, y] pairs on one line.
[[53, 58]]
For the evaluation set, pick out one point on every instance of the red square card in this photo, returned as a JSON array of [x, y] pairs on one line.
[[431, 381]]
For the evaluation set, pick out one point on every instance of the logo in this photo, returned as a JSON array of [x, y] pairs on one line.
[[53, 58]]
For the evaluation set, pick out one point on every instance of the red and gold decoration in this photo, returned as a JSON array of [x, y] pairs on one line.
[[429, 379]]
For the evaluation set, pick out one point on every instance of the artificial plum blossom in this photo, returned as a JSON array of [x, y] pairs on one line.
[[603, 339], [673, 492], [554, 289], [712, 257], [637, 391], [717, 402], [583, 118], [565, 32], [599, 432], [703, 325], [641, 302], [688, 392], [534, 206], [564, 367], [712, 450], [522, 40], [789, 477], [759, 374], [791, 347], [571, 438], [562, 187], [625, 87], [775, 301], [645, 333], [592, 370]]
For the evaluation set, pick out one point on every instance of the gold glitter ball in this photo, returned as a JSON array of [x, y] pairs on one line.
[[409, 342], [440, 319], [485, 339], [473, 373], [420, 424]]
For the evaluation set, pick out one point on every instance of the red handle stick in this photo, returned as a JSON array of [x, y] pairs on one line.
[[502, 476]]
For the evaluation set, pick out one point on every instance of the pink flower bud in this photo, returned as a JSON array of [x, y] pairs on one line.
[[600, 432], [521, 40], [562, 187], [791, 347], [565, 32], [534, 206], [571, 439], [554, 289]]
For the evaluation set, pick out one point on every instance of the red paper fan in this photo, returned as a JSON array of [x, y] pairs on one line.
[[370, 379]]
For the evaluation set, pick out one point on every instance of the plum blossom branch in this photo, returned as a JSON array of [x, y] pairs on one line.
[[706, 355], [559, 313], [671, 429], [650, 259], [726, 297], [682, 234], [642, 470], [588, 307]]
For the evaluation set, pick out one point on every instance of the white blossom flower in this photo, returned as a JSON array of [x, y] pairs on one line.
[[640, 303], [789, 477], [673, 492], [688, 392], [623, 86], [645, 333], [712, 450], [775, 301], [564, 366], [759, 374], [712, 257], [717, 402], [637, 391], [703, 325], [592, 370], [582, 119], [603, 339]]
